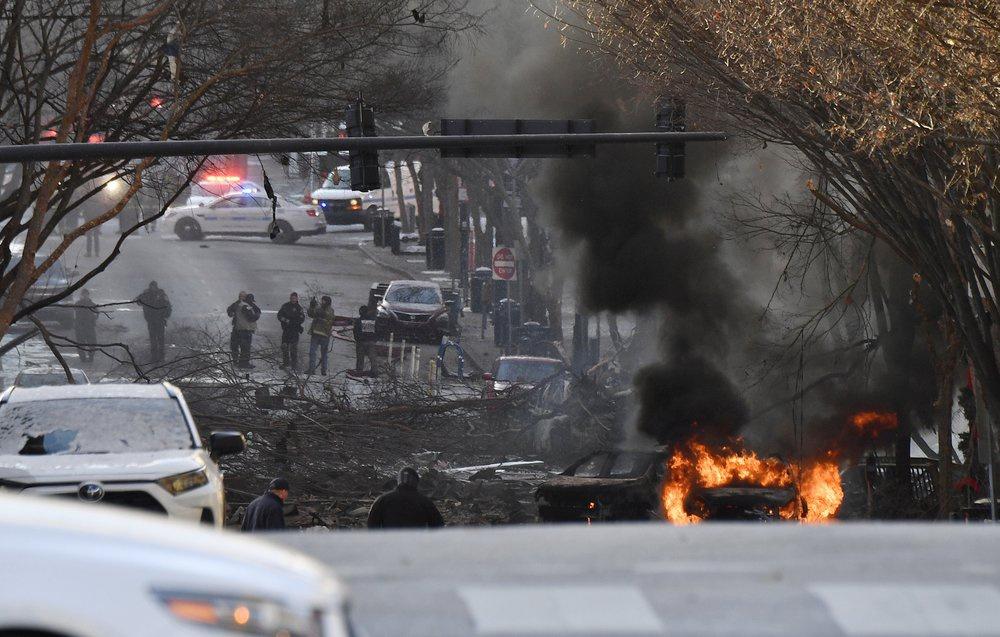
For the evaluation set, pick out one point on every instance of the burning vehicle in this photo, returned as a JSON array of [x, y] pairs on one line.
[[734, 483], [605, 485]]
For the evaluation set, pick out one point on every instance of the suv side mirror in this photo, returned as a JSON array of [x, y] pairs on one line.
[[225, 443], [487, 376]]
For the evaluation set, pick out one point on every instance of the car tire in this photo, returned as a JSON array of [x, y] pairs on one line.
[[187, 229], [285, 234]]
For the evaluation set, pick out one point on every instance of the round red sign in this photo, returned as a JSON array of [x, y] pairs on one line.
[[504, 264]]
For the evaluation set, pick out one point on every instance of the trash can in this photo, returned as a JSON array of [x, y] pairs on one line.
[[508, 313], [480, 278], [394, 229], [378, 228], [435, 249]]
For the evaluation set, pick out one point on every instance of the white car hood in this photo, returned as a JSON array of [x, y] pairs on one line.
[[99, 466], [173, 554], [336, 194], [179, 209]]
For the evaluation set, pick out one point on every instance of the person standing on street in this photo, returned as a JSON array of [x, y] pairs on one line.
[[404, 506], [267, 512], [320, 332], [246, 324], [156, 310], [231, 313], [291, 318], [364, 340], [85, 326]]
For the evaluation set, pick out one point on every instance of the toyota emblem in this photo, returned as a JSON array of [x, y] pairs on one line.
[[90, 492]]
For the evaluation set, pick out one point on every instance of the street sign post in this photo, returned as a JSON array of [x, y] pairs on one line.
[[504, 264]]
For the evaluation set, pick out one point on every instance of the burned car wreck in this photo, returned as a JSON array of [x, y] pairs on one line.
[[605, 485], [758, 504]]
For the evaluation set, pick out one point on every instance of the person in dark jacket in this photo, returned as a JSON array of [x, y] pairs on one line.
[[234, 349], [85, 326], [364, 339], [156, 310], [267, 512], [404, 506], [291, 316], [247, 315]]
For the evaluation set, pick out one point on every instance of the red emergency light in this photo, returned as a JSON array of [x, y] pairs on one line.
[[221, 179]]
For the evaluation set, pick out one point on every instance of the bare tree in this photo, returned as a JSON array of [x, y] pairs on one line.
[[159, 69], [891, 104]]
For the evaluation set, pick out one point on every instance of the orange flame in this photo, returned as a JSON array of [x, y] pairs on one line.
[[817, 481], [873, 423]]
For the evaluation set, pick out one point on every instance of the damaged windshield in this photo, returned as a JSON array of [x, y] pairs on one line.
[[94, 425], [414, 294]]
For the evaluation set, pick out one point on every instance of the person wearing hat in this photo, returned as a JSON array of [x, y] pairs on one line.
[[404, 506], [267, 512]]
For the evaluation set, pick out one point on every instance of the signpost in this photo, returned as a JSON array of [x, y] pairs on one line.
[[505, 269]]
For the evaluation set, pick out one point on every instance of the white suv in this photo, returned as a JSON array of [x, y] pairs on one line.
[[130, 445]]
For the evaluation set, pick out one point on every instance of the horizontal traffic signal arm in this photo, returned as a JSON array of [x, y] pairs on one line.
[[197, 147]]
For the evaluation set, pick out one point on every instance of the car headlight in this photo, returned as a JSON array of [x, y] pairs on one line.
[[246, 615], [315, 201], [383, 313], [184, 481]]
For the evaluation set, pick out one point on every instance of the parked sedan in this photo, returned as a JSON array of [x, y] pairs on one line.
[[605, 485], [412, 310], [245, 214], [79, 571]]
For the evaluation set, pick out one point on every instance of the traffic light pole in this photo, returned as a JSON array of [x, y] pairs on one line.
[[199, 147]]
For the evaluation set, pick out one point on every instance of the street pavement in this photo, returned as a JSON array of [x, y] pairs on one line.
[[202, 278], [655, 579]]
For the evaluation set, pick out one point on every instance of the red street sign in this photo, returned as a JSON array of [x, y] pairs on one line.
[[504, 264]]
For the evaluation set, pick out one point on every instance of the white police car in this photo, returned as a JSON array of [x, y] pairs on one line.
[[245, 214]]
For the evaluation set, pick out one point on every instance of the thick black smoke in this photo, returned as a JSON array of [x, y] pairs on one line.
[[644, 245]]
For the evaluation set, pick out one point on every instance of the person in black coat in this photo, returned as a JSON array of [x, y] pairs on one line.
[[364, 340], [404, 506], [291, 316], [267, 512], [231, 312], [156, 309], [85, 326]]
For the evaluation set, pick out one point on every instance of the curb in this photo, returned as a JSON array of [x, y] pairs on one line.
[[363, 246]]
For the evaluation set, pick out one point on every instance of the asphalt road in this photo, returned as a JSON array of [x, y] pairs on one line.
[[654, 579], [203, 277]]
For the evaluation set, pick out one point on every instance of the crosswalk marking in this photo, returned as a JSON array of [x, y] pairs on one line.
[[560, 610]]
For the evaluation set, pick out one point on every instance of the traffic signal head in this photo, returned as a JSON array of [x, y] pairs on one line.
[[364, 164], [670, 156]]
